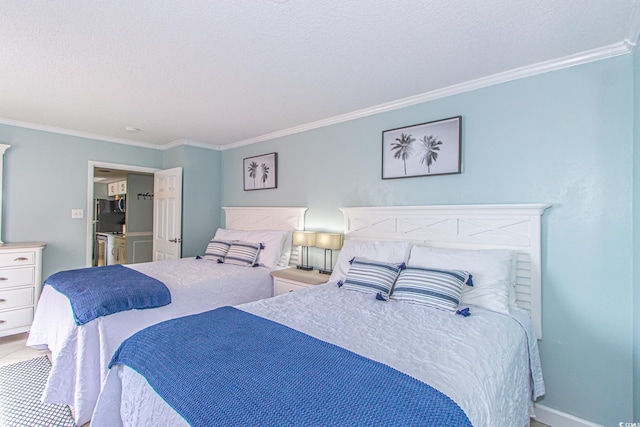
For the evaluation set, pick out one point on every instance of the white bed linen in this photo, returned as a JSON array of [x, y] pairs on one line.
[[483, 361], [81, 354]]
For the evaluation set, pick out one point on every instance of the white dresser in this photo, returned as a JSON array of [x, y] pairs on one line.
[[20, 285]]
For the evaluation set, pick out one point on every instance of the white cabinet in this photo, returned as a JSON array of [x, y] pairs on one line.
[[117, 188], [112, 189], [20, 284], [120, 250], [292, 279]]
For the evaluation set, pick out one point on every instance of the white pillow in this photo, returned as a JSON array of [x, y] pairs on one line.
[[272, 240], [384, 251], [491, 271], [287, 246], [228, 234]]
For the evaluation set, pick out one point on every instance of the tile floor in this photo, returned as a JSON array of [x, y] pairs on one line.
[[13, 350]]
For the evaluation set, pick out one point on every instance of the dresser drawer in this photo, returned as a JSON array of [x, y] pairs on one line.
[[16, 318], [16, 298], [14, 259], [11, 277]]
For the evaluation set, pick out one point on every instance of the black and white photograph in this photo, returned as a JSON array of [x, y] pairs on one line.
[[431, 148], [260, 172]]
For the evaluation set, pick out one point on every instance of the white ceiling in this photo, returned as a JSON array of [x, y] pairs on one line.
[[228, 73]]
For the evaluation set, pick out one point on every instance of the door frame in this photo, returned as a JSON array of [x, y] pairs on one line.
[[90, 205]]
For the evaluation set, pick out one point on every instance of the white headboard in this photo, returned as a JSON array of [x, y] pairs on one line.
[[266, 218], [516, 227]]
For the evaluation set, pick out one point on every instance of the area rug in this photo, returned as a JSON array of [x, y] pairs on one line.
[[21, 386]]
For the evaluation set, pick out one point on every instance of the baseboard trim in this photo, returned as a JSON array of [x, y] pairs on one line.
[[554, 418]]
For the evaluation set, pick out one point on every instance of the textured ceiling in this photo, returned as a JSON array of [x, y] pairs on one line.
[[234, 72]]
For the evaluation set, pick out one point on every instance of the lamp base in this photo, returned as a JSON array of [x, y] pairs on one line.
[[323, 271], [304, 267]]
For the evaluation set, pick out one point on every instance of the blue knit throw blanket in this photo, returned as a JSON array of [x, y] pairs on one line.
[[226, 367], [100, 291]]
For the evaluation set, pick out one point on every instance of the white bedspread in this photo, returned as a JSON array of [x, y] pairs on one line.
[[81, 354], [484, 362]]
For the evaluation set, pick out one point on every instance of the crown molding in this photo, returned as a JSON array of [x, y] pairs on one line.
[[621, 48], [610, 51], [105, 138], [79, 134], [192, 143]]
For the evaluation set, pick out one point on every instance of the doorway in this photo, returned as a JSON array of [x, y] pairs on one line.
[[111, 173]]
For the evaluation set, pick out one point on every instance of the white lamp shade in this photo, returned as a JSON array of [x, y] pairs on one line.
[[304, 238], [329, 241]]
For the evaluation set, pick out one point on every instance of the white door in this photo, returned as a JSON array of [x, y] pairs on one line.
[[167, 214]]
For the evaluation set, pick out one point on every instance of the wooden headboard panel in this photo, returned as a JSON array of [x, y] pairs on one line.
[[266, 218], [516, 227]]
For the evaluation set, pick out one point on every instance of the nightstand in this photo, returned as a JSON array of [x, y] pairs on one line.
[[293, 279]]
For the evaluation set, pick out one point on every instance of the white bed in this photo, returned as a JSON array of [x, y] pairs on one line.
[[487, 363], [80, 354]]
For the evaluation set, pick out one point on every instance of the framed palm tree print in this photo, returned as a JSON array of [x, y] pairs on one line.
[[260, 172], [431, 148]]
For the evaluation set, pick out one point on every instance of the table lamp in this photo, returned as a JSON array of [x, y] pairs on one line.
[[304, 239], [329, 242]]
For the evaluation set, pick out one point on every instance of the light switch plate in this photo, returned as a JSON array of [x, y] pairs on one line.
[[77, 213]]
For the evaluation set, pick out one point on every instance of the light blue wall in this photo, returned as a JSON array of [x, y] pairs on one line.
[[565, 138], [45, 176], [636, 239], [201, 186]]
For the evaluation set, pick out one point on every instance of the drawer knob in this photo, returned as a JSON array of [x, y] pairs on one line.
[[22, 258], [4, 278], [3, 300], [2, 321]]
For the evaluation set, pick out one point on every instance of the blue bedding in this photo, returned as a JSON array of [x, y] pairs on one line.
[[100, 291], [236, 368]]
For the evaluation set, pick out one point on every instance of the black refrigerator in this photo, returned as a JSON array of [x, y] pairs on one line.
[[109, 215]]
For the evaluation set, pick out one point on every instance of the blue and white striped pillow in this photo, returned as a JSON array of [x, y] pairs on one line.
[[371, 276], [243, 253], [217, 250], [436, 288]]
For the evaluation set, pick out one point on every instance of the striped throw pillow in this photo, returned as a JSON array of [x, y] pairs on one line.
[[242, 253], [217, 250], [371, 276], [436, 288]]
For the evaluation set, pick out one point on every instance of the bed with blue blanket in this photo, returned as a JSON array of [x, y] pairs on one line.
[[83, 327], [82, 332], [326, 356]]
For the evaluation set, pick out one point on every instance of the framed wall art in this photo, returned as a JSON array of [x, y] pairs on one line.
[[432, 148], [260, 172]]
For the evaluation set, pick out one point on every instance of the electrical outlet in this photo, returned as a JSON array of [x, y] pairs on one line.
[[77, 213]]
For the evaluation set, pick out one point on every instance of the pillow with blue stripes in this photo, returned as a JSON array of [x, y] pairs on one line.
[[217, 250], [371, 276], [432, 287], [243, 253]]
